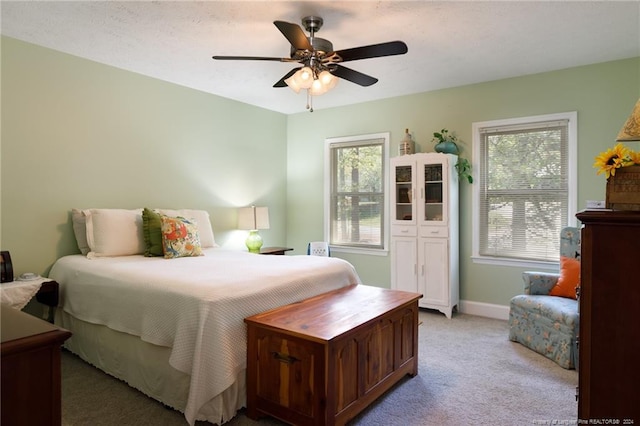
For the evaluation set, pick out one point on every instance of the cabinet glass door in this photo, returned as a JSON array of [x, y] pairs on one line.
[[433, 192], [403, 192]]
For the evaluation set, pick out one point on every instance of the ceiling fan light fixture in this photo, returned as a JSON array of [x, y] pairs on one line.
[[325, 82], [293, 84], [317, 88], [304, 77], [328, 80]]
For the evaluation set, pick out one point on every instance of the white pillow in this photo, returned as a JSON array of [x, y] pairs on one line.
[[80, 230], [201, 217], [114, 232]]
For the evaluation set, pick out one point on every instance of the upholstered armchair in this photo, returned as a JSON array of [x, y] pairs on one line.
[[545, 323]]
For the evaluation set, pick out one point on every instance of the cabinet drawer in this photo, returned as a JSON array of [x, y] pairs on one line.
[[404, 231], [434, 231]]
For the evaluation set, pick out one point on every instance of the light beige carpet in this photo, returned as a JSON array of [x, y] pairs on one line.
[[469, 374]]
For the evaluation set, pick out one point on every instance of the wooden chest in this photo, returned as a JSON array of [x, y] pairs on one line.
[[323, 360]]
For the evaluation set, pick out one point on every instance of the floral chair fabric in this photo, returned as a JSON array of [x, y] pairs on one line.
[[548, 324]]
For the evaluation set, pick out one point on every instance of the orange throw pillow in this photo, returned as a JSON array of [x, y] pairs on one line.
[[569, 278]]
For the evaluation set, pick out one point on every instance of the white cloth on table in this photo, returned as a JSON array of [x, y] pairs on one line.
[[17, 294]]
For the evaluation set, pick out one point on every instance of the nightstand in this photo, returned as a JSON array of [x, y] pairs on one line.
[[17, 294], [274, 250]]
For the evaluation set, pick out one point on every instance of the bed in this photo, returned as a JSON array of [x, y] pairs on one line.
[[174, 328]]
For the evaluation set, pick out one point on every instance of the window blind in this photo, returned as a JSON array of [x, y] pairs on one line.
[[524, 189], [357, 194]]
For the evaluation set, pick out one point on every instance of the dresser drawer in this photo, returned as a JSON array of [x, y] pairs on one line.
[[404, 231], [434, 231]]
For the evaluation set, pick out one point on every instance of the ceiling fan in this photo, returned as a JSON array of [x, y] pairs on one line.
[[320, 63]]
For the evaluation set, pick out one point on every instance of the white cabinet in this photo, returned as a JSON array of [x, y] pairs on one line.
[[424, 228]]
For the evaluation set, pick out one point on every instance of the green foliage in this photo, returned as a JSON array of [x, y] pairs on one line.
[[359, 169], [443, 136], [463, 167], [525, 161]]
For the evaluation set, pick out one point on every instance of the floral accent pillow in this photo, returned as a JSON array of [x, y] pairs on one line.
[[179, 237]]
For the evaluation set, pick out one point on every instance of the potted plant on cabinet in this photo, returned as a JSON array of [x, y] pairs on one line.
[[446, 143]]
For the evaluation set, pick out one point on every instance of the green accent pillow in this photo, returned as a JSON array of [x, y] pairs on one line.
[[152, 232]]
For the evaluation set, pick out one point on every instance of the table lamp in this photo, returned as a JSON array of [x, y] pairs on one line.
[[252, 219], [631, 129]]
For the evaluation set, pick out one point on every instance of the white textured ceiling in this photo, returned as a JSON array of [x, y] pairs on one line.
[[450, 43]]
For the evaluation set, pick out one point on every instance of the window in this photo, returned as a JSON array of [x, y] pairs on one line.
[[526, 188], [355, 192]]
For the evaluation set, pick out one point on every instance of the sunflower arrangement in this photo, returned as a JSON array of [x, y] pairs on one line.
[[619, 156]]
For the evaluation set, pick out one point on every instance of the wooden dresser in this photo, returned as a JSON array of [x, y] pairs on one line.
[[609, 340], [325, 359], [31, 381]]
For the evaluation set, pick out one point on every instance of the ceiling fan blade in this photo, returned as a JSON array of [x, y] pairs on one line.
[[354, 76], [294, 34], [373, 51], [281, 82], [252, 58]]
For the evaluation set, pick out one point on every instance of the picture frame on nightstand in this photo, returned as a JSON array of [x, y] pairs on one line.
[[6, 266]]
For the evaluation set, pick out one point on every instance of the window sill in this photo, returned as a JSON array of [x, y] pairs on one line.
[[354, 250], [516, 263]]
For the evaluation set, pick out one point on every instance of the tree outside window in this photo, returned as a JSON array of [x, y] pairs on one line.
[[357, 195], [526, 190]]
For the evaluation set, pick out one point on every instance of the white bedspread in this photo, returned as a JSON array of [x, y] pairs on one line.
[[194, 305]]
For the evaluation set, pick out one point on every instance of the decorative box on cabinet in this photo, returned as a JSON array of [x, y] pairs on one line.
[[608, 374], [323, 360], [424, 228]]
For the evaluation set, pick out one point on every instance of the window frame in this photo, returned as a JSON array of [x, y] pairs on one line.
[[572, 183], [332, 142]]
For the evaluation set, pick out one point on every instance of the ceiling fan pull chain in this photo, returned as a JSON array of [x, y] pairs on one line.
[[309, 100]]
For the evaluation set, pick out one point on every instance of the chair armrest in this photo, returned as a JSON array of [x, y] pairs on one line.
[[539, 282]]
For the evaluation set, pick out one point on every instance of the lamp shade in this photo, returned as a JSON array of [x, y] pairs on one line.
[[252, 218], [303, 77], [316, 82], [293, 83], [328, 80], [317, 88], [631, 129]]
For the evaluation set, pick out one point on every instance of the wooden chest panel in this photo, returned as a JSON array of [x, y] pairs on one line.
[[323, 360], [286, 370]]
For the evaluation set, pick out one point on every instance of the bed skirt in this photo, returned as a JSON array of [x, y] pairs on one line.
[[145, 367]]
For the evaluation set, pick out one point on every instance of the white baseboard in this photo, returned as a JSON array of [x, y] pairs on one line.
[[484, 309]]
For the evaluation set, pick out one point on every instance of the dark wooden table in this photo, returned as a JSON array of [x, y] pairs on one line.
[[274, 250], [30, 368]]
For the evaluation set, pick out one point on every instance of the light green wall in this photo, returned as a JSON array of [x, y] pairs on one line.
[[76, 133], [602, 94]]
